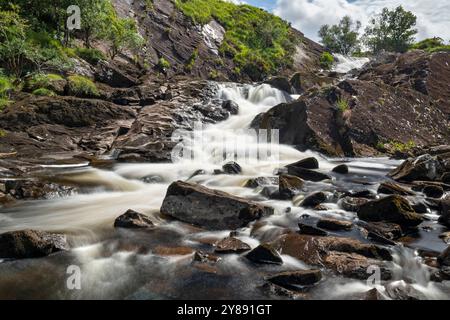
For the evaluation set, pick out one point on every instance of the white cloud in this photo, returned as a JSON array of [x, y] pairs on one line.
[[309, 15]]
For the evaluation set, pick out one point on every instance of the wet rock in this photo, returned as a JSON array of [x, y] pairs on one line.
[[419, 206], [133, 220], [342, 169], [389, 231], [424, 167], [444, 209], [400, 290], [390, 209], [115, 74], [311, 230], [203, 257], [293, 279], [261, 182], [344, 256], [445, 237], [334, 224], [173, 251], [231, 106], [31, 244], [232, 168], [198, 172], [433, 191], [270, 192], [444, 257], [373, 295], [231, 245], [289, 186], [192, 203], [314, 199], [446, 178], [33, 189], [281, 83], [264, 254], [368, 194], [307, 174], [307, 163], [393, 188], [352, 204]]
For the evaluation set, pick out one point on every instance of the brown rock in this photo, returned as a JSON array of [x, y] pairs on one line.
[[334, 224], [294, 279], [264, 254], [393, 188], [231, 245], [132, 219]]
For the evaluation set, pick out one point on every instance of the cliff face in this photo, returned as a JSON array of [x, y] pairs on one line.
[[195, 49]]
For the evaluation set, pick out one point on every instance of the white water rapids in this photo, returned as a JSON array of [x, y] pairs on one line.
[[345, 64], [113, 268]]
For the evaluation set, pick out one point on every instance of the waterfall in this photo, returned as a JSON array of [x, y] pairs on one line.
[[344, 64]]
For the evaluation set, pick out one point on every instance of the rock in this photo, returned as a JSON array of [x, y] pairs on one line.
[[293, 279], [400, 290], [231, 245], [200, 256], [231, 106], [115, 75], [444, 208], [341, 169], [307, 163], [433, 191], [261, 182], [334, 224], [31, 244], [373, 295], [289, 186], [390, 209], [314, 199], [445, 236], [390, 231], [344, 256], [232, 168], [192, 203], [352, 204], [264, 254], [310, 230], [393, 188], [419, 206], [444, 257], [198, 172], [173, 251], [446, 178], [133, 220], [424, 167], [280, 83], [270, 192], [307, 174]]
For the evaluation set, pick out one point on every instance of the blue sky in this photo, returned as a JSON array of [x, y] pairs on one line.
[[308, 15]]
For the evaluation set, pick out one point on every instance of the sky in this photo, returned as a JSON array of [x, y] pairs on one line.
[[433, 16]]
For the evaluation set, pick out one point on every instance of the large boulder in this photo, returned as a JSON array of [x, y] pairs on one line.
[[424, 167], [30, 244], [344, 256], [210, 209], [395, 209]]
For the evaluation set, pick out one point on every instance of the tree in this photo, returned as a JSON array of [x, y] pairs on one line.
[[341, 38], [122, 33], [392, 30]]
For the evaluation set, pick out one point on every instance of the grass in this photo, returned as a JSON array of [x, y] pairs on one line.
[[191, 62], [82, 86], [326, 60], [41, 80], [44, 92], [5, 87], [93, 56], [431, 45], [259, 43], [396, 146], [163, 63], [342, 105]]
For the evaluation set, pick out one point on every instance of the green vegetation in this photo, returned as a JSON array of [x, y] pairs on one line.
[[191, 62], [121, 34], [91, 55], [5, 87], [259, 43], [326, 60], [431, 45], [163, 64], [46, 81], [392, 30], [82, 86], [396, 146], [342, 105], [342, 38], [44, 92]]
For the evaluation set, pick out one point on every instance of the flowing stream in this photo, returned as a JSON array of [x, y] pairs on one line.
[[127, 264]]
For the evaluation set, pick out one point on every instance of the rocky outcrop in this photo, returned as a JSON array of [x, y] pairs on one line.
[[210, 209], [30, 244]]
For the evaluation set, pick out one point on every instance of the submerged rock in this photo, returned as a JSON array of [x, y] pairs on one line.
[[231, 106], [210, 209], [314, 199], [433, 191], [311, 230], [307, 174], [294, 279], [31, 244], [393, 188], [352, 204], [390, 209], [261, 182], [307, 163], [289, 186], [334, 224], [264, 254], [133, 220], [232, 168], [444, 257], [342, 169]]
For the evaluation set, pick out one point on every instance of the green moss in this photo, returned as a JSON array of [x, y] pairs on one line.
[[259, 43], [93, 56], [43, 92], [81, 86], [326, 60], [5, 87], [402, 147], [163, 63], [45, 81]]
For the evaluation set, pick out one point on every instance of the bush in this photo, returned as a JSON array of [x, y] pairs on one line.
[[431, 45], [163, 63], [326, 60], [5, 87], [93, 56], [44, 92], [43, 81], [342, 105], [82, 86]]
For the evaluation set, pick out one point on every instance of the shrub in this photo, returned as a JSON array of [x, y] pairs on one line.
[[5, 87], [342, 105], [93, 56], [163, 63], [82, 86], [43, 81], [191, 62], [326, 60], [43, 92]]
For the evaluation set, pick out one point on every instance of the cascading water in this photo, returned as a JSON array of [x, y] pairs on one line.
[[123, 263], [344, 64]]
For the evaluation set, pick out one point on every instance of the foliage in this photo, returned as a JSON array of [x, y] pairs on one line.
[[392, 30], [93, 56], [431, 45], [41, 80], [191, 62], [82, 86], [260, 43], [326, 60], [121, 34], [43, 92], [342, 105], [341, 38], [5, 87], [163, 64]]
